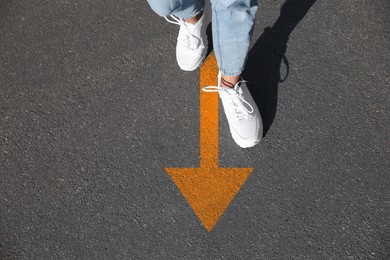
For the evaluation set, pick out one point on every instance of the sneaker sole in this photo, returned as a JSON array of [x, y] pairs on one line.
[[243, 143]]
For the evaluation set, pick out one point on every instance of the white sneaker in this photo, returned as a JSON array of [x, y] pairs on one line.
[[245, 123], [192, 43]]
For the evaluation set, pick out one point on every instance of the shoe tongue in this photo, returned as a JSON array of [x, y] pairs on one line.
[[190, 25], [235, 87]]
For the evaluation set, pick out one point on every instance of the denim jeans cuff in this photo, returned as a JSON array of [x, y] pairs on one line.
[[231, 73], [184, 14]]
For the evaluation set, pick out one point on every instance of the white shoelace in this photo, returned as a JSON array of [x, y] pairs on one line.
[[189, 41], [236, 98]]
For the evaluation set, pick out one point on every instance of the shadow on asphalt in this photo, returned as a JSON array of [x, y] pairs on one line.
[[262, 70]]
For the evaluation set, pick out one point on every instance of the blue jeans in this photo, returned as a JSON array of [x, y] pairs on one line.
[[232, 24]]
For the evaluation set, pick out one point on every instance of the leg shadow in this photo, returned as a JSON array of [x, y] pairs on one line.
[[210, 39], [262, 69]]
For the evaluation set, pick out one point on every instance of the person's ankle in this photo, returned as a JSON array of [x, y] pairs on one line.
[[230, 81], [195, 19]]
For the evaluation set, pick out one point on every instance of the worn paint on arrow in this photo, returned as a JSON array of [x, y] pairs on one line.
[[209, 189]]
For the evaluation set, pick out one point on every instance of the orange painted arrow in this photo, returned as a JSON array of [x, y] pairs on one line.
[[209, 189]]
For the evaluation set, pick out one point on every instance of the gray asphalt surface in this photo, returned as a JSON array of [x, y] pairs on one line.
[[93, 107]]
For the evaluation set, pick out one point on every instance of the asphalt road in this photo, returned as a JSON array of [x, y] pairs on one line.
[[93, 108]]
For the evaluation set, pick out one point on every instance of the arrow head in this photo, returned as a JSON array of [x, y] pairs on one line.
[[209, 191]]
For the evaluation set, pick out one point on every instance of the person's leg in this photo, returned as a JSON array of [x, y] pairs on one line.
[[185, 9], [233, 22], [191, 47]]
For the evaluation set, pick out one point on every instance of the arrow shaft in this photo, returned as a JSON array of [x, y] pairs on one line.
[[209, 115]]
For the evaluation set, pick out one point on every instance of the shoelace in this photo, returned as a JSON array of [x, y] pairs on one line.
[[191, 41], [236, 98]]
